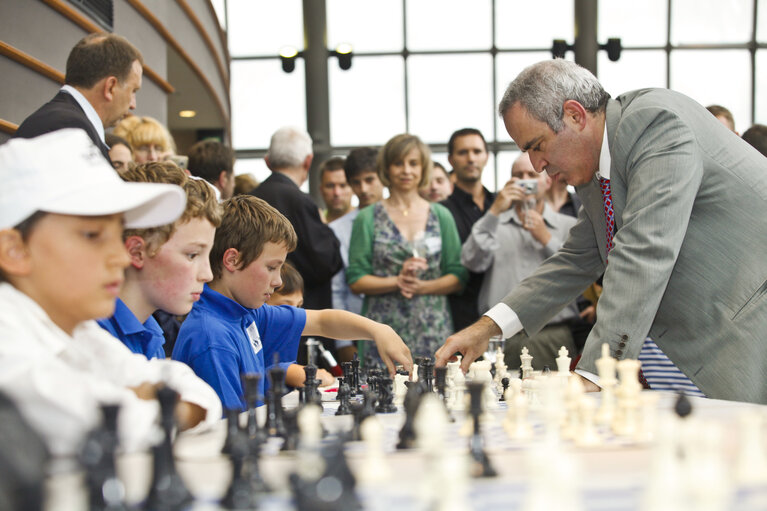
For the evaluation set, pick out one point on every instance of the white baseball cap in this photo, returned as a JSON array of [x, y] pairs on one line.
[[64, 172]]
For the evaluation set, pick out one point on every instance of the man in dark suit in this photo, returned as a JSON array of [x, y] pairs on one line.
[[317, 257], [102, 76], [678, 203]]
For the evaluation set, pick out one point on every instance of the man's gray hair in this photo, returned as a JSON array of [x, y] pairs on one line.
[[289, 147], [543, 88]]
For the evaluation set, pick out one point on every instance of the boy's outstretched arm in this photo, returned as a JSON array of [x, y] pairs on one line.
[[344, 325]]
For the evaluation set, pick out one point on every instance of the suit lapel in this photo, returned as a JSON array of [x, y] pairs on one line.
[[591, 196]]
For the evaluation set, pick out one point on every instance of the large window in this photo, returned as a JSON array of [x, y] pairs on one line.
[[430, 67]]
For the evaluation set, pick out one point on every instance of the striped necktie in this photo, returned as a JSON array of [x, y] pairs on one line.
[[607, 200]]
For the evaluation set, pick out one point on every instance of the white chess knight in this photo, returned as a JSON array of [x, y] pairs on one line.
[[400, 389], [374, 468]]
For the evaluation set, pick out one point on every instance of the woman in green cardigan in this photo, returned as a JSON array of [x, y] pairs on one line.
[[405, 254]]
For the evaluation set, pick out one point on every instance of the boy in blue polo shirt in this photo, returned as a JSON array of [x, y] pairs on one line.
[[169, 264], [230, 331]]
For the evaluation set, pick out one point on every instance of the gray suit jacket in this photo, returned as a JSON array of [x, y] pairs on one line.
[[689, 266]]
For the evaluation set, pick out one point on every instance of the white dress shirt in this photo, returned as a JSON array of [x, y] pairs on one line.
[[90, 112], [502, 314], [58, 381]]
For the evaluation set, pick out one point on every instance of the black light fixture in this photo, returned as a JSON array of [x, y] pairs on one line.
[[288, 56], [613, 48], [344, 53], [559, 47]]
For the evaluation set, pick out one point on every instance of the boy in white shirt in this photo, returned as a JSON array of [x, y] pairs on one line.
[[62, 259]]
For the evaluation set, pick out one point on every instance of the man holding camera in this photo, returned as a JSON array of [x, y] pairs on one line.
[[520, 230]]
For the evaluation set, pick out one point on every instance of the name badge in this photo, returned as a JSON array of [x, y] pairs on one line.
[[255, 338]]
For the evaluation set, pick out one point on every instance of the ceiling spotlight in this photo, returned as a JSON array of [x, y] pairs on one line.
[[187, 113], [288, 56], [344, 54]]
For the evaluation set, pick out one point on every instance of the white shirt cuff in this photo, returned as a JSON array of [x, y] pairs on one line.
[[505, 318], [593, 378]]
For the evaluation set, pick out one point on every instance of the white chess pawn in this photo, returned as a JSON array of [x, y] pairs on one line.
[[607, 381], [310, 464], [374, 467], [588, 434], [627, 412], [573, 394], [456, 398], [751, 462], [517, 424]]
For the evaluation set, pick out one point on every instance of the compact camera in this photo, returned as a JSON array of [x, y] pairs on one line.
[[530, 186]]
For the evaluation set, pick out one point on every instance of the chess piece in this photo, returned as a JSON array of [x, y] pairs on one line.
[[504, 387], [751, 461], [290, 421], [240, 494], [527, 363], [374, 468], [480, 463], [355, 382], [232, 428], [333, 490], [607, 381], [250, 384], [563, 361], [275, 425], [407, 433], [399, 387], [311, 384], [431, 424], [626, 416], [344, 392], [106, 492], [440, 381], [168, 491], [426, 373], [386, 393], [588, 434]]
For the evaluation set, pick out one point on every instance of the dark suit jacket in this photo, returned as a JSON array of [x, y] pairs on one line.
[[317, 257], [62, 111], [688, 267]]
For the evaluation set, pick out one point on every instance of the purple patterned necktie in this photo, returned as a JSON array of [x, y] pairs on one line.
[[607, 199]]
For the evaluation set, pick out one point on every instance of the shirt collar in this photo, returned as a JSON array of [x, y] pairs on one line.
[[126, 320], [604, 157], [217, 302], [510, 215], [90, 112]]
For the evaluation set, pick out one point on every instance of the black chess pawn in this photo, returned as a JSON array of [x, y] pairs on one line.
[[168, 491], [683, 406], [505, 384], [344, 398], [386, 393], [546, 369], [480, 463], [241, 494], [105, 491]]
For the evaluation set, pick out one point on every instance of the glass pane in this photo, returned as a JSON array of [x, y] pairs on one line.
[[449, 92], [367, 102], [711, 21], [536, 24], [251, 34], [255, 166], [368, 25], [255, 112], [730, 86], [761, 22], [508, 66], [636, 23], [761, 89], [449, 25], [634, 70]]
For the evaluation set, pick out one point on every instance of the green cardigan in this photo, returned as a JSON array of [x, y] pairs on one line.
[[361, 245]]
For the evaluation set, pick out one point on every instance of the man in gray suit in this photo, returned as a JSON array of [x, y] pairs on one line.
[[687, 265]]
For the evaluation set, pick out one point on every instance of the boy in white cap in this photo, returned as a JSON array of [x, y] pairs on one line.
[[62, 214]]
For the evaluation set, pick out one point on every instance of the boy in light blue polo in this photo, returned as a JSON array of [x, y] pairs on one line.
[[230, 331]]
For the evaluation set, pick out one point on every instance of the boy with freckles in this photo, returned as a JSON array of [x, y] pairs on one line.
[[231, 331], [62, 213], [168, 264]]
